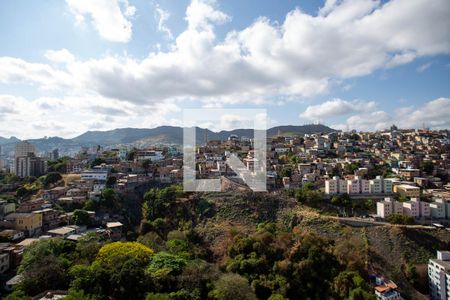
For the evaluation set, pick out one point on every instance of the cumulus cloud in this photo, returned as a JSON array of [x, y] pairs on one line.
[[434, 114], [336, 107], [264, 62], [111, 18], [299, 57]]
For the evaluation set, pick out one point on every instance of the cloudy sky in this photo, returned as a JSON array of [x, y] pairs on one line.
[[76, 65]]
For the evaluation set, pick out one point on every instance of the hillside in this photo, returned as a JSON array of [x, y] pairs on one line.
[[166, 135], [386, 250]]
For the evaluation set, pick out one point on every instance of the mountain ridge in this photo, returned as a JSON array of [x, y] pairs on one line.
[[148, 136]]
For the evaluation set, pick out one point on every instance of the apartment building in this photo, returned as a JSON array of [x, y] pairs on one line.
[[376, 186], [388, 206], [425, 210], [438, 209], [332, 186], [358, 185], [439, 276], [412, 208]]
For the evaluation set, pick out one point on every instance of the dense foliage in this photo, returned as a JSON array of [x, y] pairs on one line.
[[171, 260]]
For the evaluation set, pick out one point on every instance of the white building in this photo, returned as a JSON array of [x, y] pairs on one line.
[[365, 186], [93, 174], [384, 208], [376, 186], [332, 186], [424, 209], [387, 186], [412, 208], [150, 155], [439, 276], [387, 207], [353, 186], [438, 209]]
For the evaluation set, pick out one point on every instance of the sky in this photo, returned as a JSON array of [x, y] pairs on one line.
[[70, 66]]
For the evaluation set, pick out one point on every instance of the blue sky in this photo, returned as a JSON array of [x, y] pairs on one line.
[[76, 65]]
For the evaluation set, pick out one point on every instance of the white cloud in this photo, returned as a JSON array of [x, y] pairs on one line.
[[162, 16], [111, 18], [16, 70], [72, 115], [300, 57], [200, 14], [62, 56], [434, 114], [336, 107]]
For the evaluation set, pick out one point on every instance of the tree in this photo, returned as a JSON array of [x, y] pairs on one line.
[[231, 287], [98, 161], [44, 266], [163, 264], [146, 164], [400, 219], [109, 198], [350, 285], [51, 178], [111, 181], [428, 167], [112, 252], [21, 192], [131, 154], [81, 217], [78, 295]]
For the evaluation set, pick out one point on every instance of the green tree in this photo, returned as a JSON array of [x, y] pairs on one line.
[[231, 287], [111, 181], [51, 178], [81, 217]]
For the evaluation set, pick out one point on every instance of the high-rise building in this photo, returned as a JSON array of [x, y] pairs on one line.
[[439, 276], [29, 165], [24, 148], [26, 163]]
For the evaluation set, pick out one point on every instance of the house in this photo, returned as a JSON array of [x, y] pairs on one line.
[[11, 234], [12, 282], [29, 222], [115, 230], [29, 206], [387, 291], [407, 190], [50, 218], [54, 193], [6, 208], [4, 262], [62, 232], [27, 242]]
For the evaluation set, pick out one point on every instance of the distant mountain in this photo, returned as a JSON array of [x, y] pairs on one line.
[[167, 135], [4, 141]]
